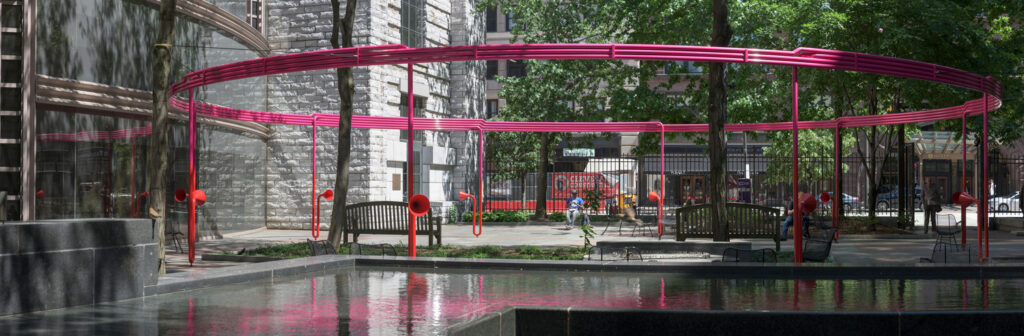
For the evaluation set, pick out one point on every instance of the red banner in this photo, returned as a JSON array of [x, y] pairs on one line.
[[564, 183]]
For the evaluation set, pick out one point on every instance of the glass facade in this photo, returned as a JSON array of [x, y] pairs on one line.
[[93, 163], [109, 42], [96, 166]]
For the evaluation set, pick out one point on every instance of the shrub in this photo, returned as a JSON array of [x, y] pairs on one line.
[[529, 249], [557, 216], [499, 216]]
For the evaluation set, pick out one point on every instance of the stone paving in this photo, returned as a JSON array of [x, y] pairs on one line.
[[850, 249]]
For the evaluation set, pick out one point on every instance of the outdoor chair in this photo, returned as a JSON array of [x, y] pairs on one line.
[[818, 247], [629, 216], [947, 233], [320, 247], [744, 255], [172, 230]]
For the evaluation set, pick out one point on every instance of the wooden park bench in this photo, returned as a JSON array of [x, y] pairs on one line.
[[388, 217], [744, 221]]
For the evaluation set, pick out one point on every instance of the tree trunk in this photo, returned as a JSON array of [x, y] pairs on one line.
[[541, 209], [346, 88], [158, 139], [522, 191], [720, 35]]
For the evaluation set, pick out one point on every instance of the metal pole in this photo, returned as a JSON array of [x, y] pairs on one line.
[[661, 200], [409, 152], [798, 251], [837, 195], [963, 180], [314, 221], [191, 179], [480, 185], [984, 145]]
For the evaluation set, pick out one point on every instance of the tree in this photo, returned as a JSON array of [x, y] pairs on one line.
[[516, 155], [158, 140], [341, 37], [721, 33], [550, 99]]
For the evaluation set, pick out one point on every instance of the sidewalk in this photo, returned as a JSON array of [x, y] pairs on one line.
[[850, 249]]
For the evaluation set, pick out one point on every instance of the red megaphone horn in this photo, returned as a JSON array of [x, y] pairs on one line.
[[463, 195], [654, 197], [419, 205], [328, 195], [963, 198], [181, 195], [808, 204], [825, 198], [39, 193]]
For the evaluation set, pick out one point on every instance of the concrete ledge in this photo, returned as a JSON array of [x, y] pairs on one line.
[[239, 258], [270, 270], [606, 321], [62, 263]]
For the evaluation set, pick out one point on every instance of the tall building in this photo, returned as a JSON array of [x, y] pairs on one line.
[[75, 108]]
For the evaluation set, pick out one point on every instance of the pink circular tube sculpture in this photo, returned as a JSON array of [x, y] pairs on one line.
[[399, 54]]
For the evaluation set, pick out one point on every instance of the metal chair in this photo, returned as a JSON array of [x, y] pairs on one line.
[[947, 233]]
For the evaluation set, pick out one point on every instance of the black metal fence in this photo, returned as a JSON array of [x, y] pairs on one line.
[[759, 180]]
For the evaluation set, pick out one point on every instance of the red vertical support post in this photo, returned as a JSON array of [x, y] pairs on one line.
[[315, 205], [963, 180], [134, 198], [480, 183], [661, 191], [191, 179], [837, 195], [798, 247], [409, 169], [984, 167]]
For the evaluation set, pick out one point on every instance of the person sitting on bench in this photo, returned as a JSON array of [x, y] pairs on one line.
[[789, 220], [573, 207]]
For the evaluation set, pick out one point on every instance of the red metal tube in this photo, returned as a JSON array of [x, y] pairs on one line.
[[410, 164], [798, 248]]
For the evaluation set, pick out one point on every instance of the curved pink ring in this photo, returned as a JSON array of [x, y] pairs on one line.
[[399, 54]]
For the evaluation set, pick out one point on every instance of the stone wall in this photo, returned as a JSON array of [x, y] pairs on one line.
[[378, 156]]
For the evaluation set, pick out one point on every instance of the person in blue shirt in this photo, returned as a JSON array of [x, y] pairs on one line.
[[573, 205]]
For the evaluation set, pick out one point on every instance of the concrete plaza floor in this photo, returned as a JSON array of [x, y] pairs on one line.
[[850, 249]]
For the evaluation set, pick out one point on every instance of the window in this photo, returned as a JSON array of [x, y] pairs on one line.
[[516, 69], [492, 108], [254, 13], [419, 103], [413, 25], [492, 20], [681, 68], [492, 69], [510, 22]]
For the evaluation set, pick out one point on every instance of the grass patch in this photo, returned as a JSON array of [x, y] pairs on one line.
[[298, 250]]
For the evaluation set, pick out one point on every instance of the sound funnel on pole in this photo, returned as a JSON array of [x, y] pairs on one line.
[[825, 198], [419, 205], [476, 231], [964, 199], [808, 204]]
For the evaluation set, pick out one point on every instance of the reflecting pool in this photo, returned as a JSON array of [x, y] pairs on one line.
[[386, 301]]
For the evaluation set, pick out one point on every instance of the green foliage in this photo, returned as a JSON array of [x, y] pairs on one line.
[[529, 249], [557, 216], [453, 215], [499, 216], [592, 199]]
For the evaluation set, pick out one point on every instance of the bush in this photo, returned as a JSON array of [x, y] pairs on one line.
[[499, 216], [556, 216], [529, 249]]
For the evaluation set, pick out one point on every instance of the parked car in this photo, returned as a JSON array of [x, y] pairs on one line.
[[1007, 203], [849, 202], [888, 199]]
